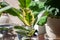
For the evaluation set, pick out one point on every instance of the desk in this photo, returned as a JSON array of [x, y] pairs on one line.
[[41, 37]]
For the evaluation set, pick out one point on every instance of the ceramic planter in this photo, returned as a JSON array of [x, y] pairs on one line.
[[41, 30], [53, 28]]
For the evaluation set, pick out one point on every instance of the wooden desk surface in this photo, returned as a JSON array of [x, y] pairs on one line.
[[41, 37]]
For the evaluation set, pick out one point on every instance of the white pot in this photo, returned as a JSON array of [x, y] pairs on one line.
[[53, 28], [41, 30]]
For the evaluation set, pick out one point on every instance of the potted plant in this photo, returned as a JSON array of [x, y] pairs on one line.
[[51, 19], [22, 30], [38, 8], [25, 14]]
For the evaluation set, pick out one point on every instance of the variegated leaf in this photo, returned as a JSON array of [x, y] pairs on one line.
[[28, 17]]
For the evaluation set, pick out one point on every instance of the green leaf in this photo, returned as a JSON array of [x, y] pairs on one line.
[[55, 4], [28, 17], [4, 28], [21, 30], [5, 8], [24, 3], [41, 4], [20, 27], [36, 7], [3, 4], [22, 33], [13, 11], [31, 33], [42, 20], [0, 7]]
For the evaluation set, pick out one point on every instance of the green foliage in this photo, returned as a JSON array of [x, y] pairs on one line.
[[4, 8], [31, 33], [52, 8], [49, 12], [42, 20], [52, 11], [27, 13], [24, 13], [15, 12], [28, 17], [20, 14], [21, 27], [53, 3], [4, 29], [23, 31], [24, 3], [3, 4], [36, 7]]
